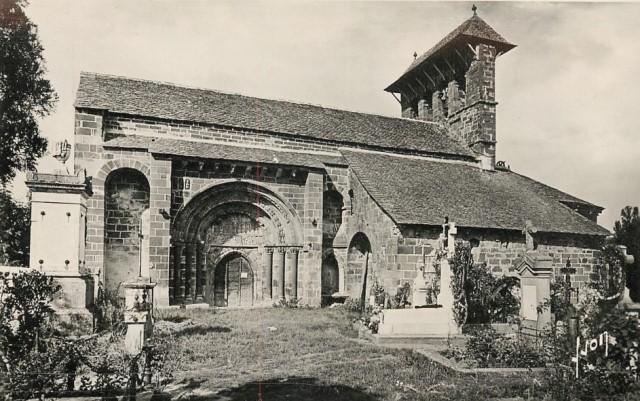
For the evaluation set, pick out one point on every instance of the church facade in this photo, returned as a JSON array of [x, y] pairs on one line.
[[230, 200]]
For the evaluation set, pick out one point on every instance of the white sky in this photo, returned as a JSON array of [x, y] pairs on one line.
[[568, 94]]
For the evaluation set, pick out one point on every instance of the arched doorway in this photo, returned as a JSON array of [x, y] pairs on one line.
[[233, 282], [330, 279], [239, 218], [358, 266]]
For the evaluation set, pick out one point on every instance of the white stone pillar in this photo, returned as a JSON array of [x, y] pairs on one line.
[[291, 267], [267, 267], [58, 225], [279, 271]]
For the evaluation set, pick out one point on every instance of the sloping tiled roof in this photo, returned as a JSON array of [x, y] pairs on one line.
[[167, 101], [473, 28], [204, 150], [419, 191]]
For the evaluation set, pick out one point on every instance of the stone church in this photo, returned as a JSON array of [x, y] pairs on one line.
[[232, 200]]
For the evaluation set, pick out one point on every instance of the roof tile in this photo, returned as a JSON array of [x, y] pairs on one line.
[[208, 150], [168, 101], [421, 191]]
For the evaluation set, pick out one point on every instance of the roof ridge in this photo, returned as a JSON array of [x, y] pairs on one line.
[[173, 84]]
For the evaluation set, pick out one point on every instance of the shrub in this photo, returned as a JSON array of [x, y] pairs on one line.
[[291, 303], [481, 297], [352, 305], [371, 317], [402, 298], [25, 312], [108, 310], [378, 292], [485, 348]]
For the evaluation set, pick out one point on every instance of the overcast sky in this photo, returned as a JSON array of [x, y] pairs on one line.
[[568, 94]]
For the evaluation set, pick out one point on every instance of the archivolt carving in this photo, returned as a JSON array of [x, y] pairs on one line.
[[272, 214]]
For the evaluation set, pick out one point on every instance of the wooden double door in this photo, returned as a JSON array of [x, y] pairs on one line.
[[233, 282]]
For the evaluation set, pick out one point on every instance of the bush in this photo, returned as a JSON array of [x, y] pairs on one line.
[[371, 317], [402, 299], [25, 312], [292, 303], [352, 305], [378, 292], [485, 349], [480, 296], [108, 310]]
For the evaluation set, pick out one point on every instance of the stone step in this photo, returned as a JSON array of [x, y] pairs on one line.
[[413, 341], [423, 321]]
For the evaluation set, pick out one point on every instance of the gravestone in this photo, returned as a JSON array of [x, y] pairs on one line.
[[138, 314], [627, 303], [436, 322], [535, 271]]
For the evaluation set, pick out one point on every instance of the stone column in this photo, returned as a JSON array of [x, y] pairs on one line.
[[178, 274], [278, 271], [267, 266], [291, 267], [172, 285], [177, 278], [200, 273], [191, 272]]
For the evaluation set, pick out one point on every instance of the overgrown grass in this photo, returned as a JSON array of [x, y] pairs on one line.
[[310, 354]]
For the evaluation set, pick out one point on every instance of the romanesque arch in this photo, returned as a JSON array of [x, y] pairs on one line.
[[358, 266], [239, 218], [126, 226]]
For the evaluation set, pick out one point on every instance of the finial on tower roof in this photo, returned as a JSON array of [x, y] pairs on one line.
[[474, 9], [415, 55]]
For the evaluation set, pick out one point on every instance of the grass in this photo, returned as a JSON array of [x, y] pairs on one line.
[[307, 354]]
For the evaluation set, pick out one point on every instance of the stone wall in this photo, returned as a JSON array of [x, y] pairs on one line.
[[395, 251], [89, 154], [126, 199]]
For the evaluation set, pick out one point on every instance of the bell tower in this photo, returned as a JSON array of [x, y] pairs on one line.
[[453, 84]]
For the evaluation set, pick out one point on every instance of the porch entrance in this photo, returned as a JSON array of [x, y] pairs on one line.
[[233, 282]]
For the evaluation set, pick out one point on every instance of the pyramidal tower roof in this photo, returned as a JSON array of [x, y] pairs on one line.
[[470, 32]]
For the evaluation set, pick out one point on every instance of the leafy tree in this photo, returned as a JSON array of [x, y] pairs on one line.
[[627, 232], [25, 94], [15, 224]]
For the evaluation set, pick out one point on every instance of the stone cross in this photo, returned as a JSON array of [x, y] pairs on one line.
[[529, 230]]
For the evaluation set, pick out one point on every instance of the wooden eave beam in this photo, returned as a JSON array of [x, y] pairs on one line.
[[413, 90], [439, 72], [474, 50], [453, 70], [421, 84], [395, 97], [464, 61], [429, 77]]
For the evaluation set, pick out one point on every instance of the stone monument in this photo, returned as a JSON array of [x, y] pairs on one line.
[[437, 322], [535, 271], [58, 222], [138, 316]]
